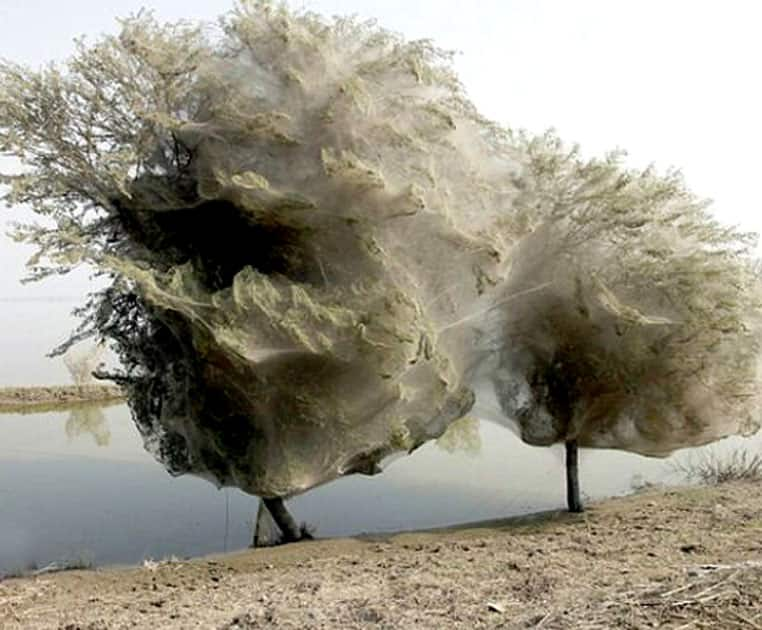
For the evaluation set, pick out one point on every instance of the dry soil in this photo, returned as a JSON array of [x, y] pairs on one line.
[[677, 558]]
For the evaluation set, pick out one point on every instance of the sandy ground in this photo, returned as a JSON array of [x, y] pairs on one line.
[[683, 558], [36, 399]]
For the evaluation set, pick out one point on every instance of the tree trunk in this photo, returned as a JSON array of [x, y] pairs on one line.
[[285, 522], [266, 531], [573, 499]]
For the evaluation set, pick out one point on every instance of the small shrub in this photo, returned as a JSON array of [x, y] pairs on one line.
[[713, 469]]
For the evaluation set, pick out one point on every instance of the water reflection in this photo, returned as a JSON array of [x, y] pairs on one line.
[[66, 499], [88, 420], [69, 492]]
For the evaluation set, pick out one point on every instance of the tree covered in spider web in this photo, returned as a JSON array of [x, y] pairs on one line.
[[647, 334], [319, 252]]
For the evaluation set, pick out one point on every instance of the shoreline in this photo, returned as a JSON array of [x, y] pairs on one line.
[[56, 397], [664, 557]]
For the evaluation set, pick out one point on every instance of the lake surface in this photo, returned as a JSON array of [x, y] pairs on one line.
[[77, 487]]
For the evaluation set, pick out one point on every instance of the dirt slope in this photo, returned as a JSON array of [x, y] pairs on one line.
[[676, 558]]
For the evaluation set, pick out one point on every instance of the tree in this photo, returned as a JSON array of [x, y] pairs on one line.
[[317, 250], [647, 336], [253, 191]]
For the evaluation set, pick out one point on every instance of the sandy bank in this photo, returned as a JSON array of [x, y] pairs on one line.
[[669, 559], [36, 399]]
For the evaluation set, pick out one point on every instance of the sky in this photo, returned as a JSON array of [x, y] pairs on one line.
[[675, 83]]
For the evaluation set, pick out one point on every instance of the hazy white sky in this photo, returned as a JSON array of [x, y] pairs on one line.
[[675, 82]]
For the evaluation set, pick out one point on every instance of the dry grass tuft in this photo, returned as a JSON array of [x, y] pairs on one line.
[[713, 469], [707, 596]]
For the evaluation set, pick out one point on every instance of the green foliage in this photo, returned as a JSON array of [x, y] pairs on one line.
[[84, 131]]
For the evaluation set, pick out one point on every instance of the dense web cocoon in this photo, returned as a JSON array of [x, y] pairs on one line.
[[321, 255], [645, 335]]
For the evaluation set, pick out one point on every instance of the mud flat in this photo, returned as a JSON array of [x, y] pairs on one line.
[[675, 558], [36, 399]]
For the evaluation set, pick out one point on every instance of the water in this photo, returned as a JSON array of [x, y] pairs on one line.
[[77, 487]]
